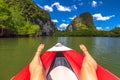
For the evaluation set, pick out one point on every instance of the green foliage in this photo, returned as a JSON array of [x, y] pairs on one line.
[[115, 31], [29, 10], [84, 21], [16, 20], [21, 17], [17, 17], [4, 14], [30, 29], [88, 32], [87, 19], [83, 26]]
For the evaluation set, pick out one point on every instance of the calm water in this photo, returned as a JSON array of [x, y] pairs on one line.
[[15, 53]]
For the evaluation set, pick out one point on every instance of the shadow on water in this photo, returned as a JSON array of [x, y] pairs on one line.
[[15, 53]]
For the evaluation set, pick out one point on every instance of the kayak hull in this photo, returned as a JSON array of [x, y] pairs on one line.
[[75, 60]]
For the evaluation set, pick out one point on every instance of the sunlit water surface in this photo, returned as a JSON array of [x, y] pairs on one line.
[[15, 53]]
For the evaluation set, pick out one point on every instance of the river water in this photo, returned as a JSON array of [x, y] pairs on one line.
[[15, 53]]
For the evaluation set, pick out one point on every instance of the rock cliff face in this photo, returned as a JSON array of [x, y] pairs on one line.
[[48, 28], [36, 15], [83, 21], [29, 11]]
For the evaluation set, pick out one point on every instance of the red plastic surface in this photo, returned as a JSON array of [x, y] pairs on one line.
[[75, 60]]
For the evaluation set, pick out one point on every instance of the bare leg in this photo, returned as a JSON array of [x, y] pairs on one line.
[[12, 78], [88, 70], [36, 67]]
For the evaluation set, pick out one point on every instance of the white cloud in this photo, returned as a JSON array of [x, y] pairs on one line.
[[99, 28], [63, 26], [94, 3], [60, 7], [72, 17], [118, 25], [74, 6], [39, 5], [48, 8], [55, 20], [98, 17]]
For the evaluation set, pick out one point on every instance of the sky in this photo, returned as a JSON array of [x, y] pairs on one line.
[[106, 13]]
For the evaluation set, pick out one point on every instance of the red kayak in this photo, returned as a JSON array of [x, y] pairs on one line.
[[63, 63]]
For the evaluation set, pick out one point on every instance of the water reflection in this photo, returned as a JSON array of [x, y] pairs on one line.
[[63, 40], [15, 53], [108, 45], [107, 53]]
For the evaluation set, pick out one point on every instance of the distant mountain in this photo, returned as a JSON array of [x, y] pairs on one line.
[[83, 21], [17, 17]]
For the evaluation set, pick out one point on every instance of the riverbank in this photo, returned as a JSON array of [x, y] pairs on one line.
[[89, 33]]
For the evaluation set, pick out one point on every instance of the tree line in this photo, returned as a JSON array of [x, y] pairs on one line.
[[90, 32]]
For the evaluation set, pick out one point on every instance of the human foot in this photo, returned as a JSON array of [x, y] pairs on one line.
[[88, 58], [36, 67], [89, 66]]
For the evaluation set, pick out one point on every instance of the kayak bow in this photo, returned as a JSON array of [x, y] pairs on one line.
[[63, 63]]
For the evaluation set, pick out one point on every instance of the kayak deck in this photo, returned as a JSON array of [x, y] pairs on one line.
[[71, 57]]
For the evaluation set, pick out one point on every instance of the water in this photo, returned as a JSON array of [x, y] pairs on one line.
[[15, 53]]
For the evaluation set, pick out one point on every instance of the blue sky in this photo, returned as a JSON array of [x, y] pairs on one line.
[[106, 13]]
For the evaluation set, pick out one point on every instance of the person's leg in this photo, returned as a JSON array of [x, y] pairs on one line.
[[12, 78], [89, 66], [36, 67]]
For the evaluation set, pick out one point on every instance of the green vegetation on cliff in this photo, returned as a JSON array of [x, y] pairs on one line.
[[25, 18], [90, 32], [21, 17], [83, 26], [116, 31], [83, 21]]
